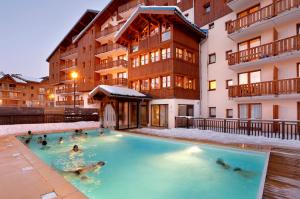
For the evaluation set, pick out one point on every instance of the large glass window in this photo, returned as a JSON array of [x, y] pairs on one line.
[[249, 44], [250, 111], [135, 62], [166, 32], [185, 110], [144, 59], [249, 77], [154, 56], [212, 111], [179, 81], [159, 115], [155, 83], [166, 53], [166, 81], [179, 53], [145, 84]]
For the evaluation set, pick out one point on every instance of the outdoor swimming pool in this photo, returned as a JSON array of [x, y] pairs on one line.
[[151, 168]]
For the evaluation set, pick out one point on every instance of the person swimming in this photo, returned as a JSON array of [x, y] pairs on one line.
[[244, 173], [76, 149], [85, 169], [61, 140], [45, 145], [40, 140], [222, 163]]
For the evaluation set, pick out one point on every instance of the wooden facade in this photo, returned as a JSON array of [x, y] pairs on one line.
[[19, 93], [158, 49]]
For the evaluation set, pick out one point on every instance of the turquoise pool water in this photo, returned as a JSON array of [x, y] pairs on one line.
[[139, 167]]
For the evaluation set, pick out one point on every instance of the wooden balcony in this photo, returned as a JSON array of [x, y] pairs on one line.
[[127, 6], [111, 64], [108, 48], [69, 103], [69, 52], [7, 88], [113, 82], [265, 13], [108, 30], [149, 42], [279, 87], [66, 90], [264, 51]]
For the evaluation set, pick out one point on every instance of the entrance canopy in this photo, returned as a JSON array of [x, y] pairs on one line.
[[102, 91]]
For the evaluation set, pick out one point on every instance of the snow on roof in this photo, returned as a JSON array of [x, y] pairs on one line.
[[2, 74], [18, 80], [142, 8], [117, 91], [27, 79]]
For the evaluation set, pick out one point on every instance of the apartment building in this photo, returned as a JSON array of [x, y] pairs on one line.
[[19, 91], [91, 51], [247, 65], [250, 61]]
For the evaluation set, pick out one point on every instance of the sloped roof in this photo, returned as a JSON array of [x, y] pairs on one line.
[[3, 75], [168, 10], [27, 78], [84, 20], [117, 91]]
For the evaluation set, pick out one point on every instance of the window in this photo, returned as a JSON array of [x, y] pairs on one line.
[[122, 75], [190, 57], [212, 85], [229, 113], [211, 26], [144, 59], [179, 81], [298, 69], [189, 83], [249, 44], [155, 83], [212, 111], [207, 8], [135, 62], [154, 56], [249, 77], [250, 111], [185, 110], [145, 84], [32, 87], [298, 28], [248, 11], [166, 53], [134, 48], [179, 53], [166, 32], [166, 82], [159, 115], [229, 82], [228, 53], [135, 85], [212, 58]]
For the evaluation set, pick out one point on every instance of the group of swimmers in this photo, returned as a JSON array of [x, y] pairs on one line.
[[238, 170]]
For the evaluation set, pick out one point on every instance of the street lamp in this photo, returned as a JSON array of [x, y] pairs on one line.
[[74, 76]]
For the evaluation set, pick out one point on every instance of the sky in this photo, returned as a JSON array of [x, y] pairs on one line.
[[31, 29]]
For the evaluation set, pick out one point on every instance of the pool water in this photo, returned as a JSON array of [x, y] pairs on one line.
[[139, 167]]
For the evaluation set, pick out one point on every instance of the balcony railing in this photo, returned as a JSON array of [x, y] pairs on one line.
[[107, 48], [127, 6], [7, 88], [66, 90], [69, 52], [69, 103], [111, 82], [270, 11], [149, 42], [276, 87], [264, 51], [111, 64], [10, 96], [109, 30]]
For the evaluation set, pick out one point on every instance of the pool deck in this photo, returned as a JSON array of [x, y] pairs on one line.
[[24, 175]]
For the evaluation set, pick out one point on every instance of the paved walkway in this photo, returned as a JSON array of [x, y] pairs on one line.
[[23, 175]]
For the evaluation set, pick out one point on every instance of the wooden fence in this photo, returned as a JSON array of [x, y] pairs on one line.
[[289, 130], [46, 118]]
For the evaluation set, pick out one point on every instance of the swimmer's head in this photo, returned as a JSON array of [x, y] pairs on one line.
[[44, 143], [101, 163], [29, 132], [75, 148]]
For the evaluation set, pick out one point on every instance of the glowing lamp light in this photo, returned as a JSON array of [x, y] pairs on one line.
[[119, 135], [74, 75], [51, 96], [193, 149]]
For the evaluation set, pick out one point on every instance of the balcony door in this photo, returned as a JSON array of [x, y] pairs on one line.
[[159, 115], [248, 51], [250, 111]]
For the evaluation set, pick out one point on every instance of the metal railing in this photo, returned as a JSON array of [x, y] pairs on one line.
[[289, 130]]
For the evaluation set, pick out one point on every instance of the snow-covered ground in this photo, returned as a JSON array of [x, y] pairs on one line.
[[48, 127], [225, 138]]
